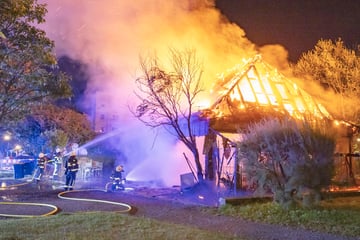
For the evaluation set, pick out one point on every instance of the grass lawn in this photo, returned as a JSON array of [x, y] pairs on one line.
[[338, 215], [101, 225]]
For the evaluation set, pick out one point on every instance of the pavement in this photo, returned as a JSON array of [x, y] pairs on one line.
[[201, 194]]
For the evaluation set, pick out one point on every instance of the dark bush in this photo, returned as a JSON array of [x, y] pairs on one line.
[[293, 160]]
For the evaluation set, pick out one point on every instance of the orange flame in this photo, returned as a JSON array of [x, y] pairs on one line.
[[256, 82]]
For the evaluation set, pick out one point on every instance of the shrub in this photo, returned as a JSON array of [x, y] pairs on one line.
[[293, 160]]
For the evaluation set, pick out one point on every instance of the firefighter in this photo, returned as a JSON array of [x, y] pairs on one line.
[[118, 180], [71, 168], [41, 164], [57, 163]]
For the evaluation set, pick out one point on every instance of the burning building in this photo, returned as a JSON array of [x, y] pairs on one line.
[[249, 93], [255, 90]]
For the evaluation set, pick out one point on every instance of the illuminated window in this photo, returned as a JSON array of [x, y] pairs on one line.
[[282, 91], [246, 91], [267, 86], [300, 105], [251, 74], [256, 85], [262, 99], [289, 108], [292, 89], [273, 100]]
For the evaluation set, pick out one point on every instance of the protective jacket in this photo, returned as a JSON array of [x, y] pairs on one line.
[[72, 164], [41, 162], [57, 159], [117, 175], [71, 167]]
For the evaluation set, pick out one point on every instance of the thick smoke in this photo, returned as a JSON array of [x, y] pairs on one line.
[[110, 35]]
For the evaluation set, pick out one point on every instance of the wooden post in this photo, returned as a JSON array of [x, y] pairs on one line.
[[349, 157], [235, 170]]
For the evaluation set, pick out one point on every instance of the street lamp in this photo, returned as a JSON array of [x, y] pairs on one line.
[[7, 138], [17, 149]]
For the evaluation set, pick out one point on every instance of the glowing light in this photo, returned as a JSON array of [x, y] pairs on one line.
[[203, 104], [7, 137], [273, 100], [235, 95], [246, 91], [300, 105], [262, 99], [289, 108], [282, 91], [267, 85], [295, 86]]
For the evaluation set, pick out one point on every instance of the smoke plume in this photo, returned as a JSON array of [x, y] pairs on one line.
[[110, 35]]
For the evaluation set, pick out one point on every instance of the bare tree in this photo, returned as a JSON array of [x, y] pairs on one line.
[[167, 98]]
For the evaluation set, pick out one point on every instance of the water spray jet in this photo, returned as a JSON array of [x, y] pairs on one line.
[[96, 140]]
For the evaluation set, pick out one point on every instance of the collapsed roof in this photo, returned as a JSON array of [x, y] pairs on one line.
[[255, 90]]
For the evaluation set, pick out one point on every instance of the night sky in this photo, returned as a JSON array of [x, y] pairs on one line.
[[295, 24]]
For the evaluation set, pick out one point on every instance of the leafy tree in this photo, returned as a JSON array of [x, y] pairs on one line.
[[28, 132], [336, 67], [76, 125], [167, 98], [292, 160], [55, 138], [50, 126], [29, 74]]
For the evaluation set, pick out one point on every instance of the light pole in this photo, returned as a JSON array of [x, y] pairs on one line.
[[7, 138]]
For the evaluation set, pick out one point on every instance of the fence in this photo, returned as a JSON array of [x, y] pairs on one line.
[[347, 168], [8, 163]]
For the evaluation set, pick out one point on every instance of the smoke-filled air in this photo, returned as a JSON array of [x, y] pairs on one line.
[[109, 36]]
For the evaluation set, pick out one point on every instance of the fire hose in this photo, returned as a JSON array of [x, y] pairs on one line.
[[127, 206], [52, 212], [54, 208]]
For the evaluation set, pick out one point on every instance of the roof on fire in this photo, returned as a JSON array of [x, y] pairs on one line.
[[255, 90]]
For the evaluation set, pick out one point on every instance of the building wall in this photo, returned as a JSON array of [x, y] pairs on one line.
[[105, 117]]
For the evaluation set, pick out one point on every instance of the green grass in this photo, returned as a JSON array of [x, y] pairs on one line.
[[100, 225], [340, 215]]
